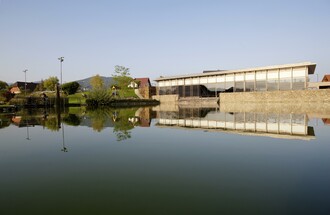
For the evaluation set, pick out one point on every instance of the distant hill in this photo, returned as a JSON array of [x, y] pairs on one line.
[[85, 83]]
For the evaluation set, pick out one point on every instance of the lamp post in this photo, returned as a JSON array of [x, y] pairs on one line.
[[61, 59], [25, 70]]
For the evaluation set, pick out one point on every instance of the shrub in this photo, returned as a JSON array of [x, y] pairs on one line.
[[98, 97]]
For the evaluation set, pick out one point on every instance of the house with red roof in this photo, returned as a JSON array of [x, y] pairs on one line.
[[19, 86], [326, 78], [140, 83], [143, 87]]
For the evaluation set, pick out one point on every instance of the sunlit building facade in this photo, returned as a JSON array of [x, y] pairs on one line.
[[211, 83]]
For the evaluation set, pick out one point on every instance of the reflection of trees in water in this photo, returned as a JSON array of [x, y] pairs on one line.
[[71, 119], [51, 123], [122, 133], [123, 120], [119, 118], [4, 121], [99, 117], [122, 124]]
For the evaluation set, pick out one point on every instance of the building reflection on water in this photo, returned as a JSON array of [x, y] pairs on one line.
[[278, 125], [292, 126]]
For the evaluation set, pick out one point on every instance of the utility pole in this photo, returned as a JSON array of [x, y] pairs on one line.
[[61, 59], [25, 70]]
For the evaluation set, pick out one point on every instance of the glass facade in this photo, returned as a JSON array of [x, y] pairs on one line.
[[261, 85], [249, 81], [298, 83], [249, 86], [285, 84], [272, 84], [239, 86]]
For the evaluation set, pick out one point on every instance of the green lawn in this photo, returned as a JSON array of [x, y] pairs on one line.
[[129, 93], [78, 98]]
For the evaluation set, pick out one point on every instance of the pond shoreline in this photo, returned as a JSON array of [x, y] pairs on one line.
[[113, 103]]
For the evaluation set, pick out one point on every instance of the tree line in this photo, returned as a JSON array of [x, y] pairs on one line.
[[99, 93]]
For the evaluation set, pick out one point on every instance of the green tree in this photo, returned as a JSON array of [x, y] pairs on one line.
[[3, 85], [50, 83], [40, 86], [99, 95], [97, 82], [122, 78], [71, 87]]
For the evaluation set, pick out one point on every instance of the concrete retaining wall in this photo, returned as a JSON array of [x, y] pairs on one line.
[[314, 102], [296, 96], [198, 102], [166, 98]]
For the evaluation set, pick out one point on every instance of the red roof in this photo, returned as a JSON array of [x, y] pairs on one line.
[[326, 78], [144, 82]]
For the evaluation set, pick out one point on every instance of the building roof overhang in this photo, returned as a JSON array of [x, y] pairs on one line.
[[311, 69]]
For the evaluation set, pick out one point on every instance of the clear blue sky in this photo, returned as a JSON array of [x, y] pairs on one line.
[[158, 37]]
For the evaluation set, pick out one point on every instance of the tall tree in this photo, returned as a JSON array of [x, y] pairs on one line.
[[40, 86], [70, 88], [97, 82], [122, 78], [50, 83]]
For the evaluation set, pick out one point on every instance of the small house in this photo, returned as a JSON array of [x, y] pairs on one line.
[[140, 83], [326, 78], [19, 86]]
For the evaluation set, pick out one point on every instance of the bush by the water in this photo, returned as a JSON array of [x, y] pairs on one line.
[[99, 97]]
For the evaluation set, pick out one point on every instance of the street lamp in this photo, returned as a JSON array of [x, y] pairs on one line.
[[61, 59], [25, 70]]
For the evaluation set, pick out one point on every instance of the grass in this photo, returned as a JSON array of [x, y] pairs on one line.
[[129, 93], [78, 98]]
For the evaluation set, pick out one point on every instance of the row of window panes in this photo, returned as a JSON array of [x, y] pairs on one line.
[[293, 119], [249, 76], [298, 83], [270, 85], [297, 119]]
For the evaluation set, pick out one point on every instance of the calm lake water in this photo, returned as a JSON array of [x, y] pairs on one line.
[[154, 161]]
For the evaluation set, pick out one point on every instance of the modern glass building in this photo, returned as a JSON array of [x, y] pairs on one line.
[[211, 83]]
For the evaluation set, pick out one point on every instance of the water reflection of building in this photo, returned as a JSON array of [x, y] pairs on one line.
[[292, 126], [20, 122], [326, 121]]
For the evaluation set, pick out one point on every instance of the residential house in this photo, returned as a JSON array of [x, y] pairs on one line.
[[140, 83], [326, 78], [19, 86]]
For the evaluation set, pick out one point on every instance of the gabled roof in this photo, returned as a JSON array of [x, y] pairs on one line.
[[29, 85], [326, 78], [144, 82]]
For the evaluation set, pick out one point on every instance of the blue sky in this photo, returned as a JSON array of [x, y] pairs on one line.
[[159, 37]]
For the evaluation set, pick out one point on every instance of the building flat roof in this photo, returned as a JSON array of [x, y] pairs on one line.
[[311, 69]]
